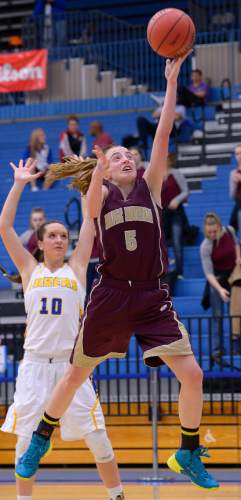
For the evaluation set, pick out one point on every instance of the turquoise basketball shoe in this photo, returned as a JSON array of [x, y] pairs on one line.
[[27, 465], [190, 464]]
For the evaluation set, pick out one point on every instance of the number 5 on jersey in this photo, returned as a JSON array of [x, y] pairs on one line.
[[130, 240], [54, 308]]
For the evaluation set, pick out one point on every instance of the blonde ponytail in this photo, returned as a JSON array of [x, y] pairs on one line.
[[79, 169]]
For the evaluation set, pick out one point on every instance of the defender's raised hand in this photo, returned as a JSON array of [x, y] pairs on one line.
[[25, 173]]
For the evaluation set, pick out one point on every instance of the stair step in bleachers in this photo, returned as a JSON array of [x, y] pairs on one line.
[[189, 287], [211, 148], [230, 119], [218, 138], [10, 308], [185, 307], [212, 127], [193, 174], [196, 160], [235, 106]]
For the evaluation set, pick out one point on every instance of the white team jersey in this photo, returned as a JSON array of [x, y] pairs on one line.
[[53, 303]]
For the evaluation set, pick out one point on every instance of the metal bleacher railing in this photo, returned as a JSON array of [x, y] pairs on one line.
[[96, 26], [215, 15], [81, 27], [124, 385], [115, 45]]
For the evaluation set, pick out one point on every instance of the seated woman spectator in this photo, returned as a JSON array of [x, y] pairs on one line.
[[72, 140], [41, 152], [174, 193], [196, 94], [235, 192], [220, 252]]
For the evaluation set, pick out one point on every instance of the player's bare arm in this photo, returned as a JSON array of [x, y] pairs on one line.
[[22, 259], [81, 255], [157, 168]]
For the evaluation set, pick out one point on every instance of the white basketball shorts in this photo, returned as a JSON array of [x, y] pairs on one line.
[[35, 383]]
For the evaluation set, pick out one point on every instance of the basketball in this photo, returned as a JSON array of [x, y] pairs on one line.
[[171, 32]]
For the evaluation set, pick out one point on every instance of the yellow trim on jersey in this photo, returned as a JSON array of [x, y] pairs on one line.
[[190, 433], [23, 478], [14, 420], [92, 411], [50, 421]]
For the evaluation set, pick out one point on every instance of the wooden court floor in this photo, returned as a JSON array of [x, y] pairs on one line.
[[133, 492]]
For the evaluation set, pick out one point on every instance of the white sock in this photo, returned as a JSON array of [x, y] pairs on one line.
[[114, 492], [22, 497]]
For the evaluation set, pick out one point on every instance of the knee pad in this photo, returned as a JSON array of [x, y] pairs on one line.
[[100, 446], [21, 447]]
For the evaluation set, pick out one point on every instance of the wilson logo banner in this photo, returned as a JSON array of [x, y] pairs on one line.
[[23, 71]]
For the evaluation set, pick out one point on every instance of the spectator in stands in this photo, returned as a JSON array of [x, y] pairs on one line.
[[196, 94], [220, 252], [102, 138], [174, 193], [182, 129], [235, 192], [29, 237], [49, 16], [140, 163], [41, 152], [72, 140]]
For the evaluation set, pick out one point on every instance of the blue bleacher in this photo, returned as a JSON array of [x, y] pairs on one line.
[[213, 195]]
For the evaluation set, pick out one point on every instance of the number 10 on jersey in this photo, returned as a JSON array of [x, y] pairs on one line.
[[51, 306]]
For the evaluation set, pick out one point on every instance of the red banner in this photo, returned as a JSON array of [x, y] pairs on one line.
[[23, 71]]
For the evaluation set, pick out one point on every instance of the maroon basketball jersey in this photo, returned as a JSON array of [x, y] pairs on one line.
[[95, 250], [130, 236], [170, 190], [223, 253]]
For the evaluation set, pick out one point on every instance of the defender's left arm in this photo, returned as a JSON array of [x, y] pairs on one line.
[[81, 255]]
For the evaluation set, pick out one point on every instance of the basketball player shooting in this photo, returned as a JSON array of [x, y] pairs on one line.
[[129, 296]]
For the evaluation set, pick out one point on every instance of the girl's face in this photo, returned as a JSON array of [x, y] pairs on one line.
[[55, 242], [212, 231], [122, 167], [73, 126], [41, 137]]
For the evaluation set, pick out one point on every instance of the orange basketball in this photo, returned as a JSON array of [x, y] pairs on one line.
[[171, 32]]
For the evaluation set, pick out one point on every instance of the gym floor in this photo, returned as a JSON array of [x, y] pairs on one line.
[[74, 484]]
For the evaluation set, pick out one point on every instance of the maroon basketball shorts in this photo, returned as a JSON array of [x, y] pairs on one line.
[[116, 310]]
